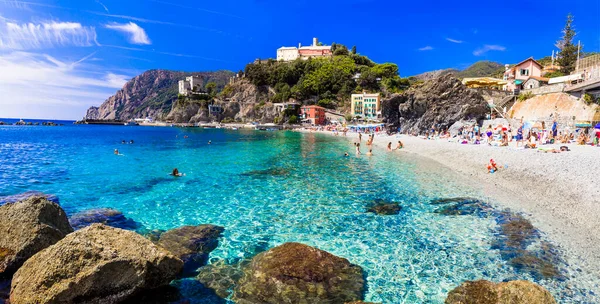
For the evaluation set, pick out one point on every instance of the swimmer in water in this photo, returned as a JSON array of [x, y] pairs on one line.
[[116, 152], [370, 153], [123, 141], [389, 146], [176, 173], [131, 141], [346, 154], [210, 142], [185, 136], [400, 145]]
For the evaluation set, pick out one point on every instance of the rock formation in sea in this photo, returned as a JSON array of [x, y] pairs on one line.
[[97, 264], [221, 277], [383, 207], [191, 244], [26, 227], [150, 94], [297, 273], [439, 102], [486, 292], [106, 216]]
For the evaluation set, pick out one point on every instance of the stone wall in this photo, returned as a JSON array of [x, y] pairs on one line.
[[491, 95], [554, 88]]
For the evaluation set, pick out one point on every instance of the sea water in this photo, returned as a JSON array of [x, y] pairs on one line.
[[268, 188]]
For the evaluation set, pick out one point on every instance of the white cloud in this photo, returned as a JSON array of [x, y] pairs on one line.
[[426, 48], [454, 40], [486, 48], [31, 84], [137, 35], [28, 36]]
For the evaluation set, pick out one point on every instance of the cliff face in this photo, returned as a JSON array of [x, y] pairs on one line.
[[242, 101], [150, 94], [440, 102]]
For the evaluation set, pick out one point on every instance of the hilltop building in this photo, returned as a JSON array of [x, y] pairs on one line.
[[315, 50], [366, 105], [521, 72], [191, 84], [314, 114]]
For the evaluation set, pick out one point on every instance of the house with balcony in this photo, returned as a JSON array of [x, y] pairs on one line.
[[313, 114], [520, 73], [365, 105]]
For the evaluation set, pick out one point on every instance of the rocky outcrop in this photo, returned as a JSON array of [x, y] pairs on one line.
[[297, 273], [191, 244], [106, 216], [26, 227], [220, 277], [150, 94], [439, 102], [92, 113], [25, 195], [485, 292], [97, 264]]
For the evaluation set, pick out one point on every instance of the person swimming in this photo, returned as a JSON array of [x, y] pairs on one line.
[[131, 141], [116, 151], [400, 145], [123, 141], [357, 148], [210, 142], [346, 154], [370, 153], [176, 173]]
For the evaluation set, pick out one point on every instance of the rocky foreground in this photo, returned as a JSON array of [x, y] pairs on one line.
[[46, 262]]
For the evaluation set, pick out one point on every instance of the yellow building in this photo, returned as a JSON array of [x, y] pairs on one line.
[[366, 105]]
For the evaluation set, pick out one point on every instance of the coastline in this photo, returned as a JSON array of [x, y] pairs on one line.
[[554, 191]]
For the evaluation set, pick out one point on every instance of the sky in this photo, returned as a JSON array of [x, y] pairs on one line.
[[59, 57]]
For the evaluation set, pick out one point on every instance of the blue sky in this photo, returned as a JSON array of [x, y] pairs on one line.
[[59, 57]]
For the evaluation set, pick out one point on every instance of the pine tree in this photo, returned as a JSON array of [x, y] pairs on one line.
[[567, 57]]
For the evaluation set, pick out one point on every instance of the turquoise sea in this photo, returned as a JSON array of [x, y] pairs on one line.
[[268, 188]]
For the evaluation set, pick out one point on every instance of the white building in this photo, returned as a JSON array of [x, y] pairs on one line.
[[292, 53], [190, 84]]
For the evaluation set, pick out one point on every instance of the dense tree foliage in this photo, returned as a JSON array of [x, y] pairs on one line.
[[327, 81], [568, 51]]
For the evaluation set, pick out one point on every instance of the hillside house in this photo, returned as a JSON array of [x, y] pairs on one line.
[[520, 73], [535, 82], [191, 84], [365, 105], [304, 52], [314, 114]]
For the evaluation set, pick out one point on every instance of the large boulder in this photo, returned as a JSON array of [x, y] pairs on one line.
[[297, 273], [106, 216], [192, 244], [512, 292], [97, 264], [25, 195], [27, 227], [440, 102]]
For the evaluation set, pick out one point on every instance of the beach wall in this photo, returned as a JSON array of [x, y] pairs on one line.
[[567, 109], [491, 95], [554, 88]]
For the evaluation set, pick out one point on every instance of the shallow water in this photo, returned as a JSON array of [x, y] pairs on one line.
[[267, 188]]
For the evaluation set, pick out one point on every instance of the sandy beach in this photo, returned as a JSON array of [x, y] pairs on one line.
[[557, 192]]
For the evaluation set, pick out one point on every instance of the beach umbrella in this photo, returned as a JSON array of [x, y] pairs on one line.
[[527, 125], [597, 126]]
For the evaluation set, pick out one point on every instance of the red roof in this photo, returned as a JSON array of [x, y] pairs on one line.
[[314, 107]]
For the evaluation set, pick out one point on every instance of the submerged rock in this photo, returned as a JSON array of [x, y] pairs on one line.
[[97, 264], [467, 206], [106, 216], [486, 292], [27, 227], [297, 273], [220, 277], [268, 172], [385, 208], [518, 232], [191, 244], [25, 195], [443, 201]]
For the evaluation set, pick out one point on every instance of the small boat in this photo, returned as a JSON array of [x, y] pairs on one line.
[[131, 123]]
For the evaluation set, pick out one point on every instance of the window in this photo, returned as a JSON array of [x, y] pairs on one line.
[[524, 72]]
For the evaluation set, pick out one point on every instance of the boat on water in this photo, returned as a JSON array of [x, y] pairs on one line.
[[131, 123]]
